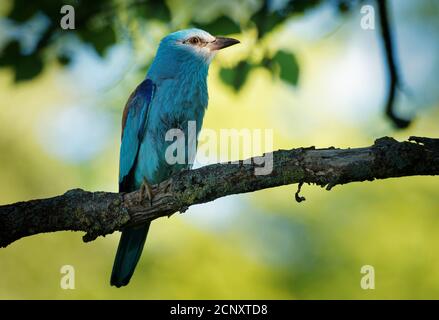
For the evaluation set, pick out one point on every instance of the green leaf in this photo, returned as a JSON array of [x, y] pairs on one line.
[[105, 38], [28, 67], [25, 67], [220, 26], [227, 75], [301, 6], [266, 21], [289, 67], [271, 66], [10, 53], [154, 10], [100, 38], [23, 10], [236, 77]]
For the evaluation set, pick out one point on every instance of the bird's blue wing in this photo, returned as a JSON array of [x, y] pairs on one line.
[[134, 123]]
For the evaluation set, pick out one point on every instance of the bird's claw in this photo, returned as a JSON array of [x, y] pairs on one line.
[[146, 192]]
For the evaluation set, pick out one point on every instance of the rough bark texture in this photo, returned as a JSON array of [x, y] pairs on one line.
[[101, 213]]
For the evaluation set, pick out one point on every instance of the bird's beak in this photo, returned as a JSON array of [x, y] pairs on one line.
[[222, 42]]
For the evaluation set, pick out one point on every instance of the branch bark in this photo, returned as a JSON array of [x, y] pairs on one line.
[[101, 213]]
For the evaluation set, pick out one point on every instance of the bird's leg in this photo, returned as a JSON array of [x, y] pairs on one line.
[[167, 186], [146, 191]]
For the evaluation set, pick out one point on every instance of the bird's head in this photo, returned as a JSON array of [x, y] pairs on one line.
[[188, 47]]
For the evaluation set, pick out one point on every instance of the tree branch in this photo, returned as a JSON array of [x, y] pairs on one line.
[[101, 213]]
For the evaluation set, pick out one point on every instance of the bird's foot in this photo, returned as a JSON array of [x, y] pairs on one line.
[[146, 192]]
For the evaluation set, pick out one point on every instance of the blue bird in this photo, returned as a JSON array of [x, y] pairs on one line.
[[173, 93]]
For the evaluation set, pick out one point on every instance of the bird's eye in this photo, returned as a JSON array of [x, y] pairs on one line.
[[194, 40]]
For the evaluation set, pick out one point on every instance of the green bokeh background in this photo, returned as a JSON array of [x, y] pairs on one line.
[[262, 245]]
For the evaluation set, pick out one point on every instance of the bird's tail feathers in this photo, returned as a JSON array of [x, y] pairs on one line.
[[128, 254]]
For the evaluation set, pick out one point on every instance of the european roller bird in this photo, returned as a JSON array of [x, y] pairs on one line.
[[173, 93]]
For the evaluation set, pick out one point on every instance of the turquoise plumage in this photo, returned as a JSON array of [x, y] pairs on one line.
[[173, 93]]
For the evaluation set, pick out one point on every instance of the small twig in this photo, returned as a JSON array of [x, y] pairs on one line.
[[297, 195], [392, 69]]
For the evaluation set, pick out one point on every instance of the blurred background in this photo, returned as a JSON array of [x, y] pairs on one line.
[[305, 69]]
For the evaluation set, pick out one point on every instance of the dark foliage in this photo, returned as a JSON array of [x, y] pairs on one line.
[[94, 25]]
